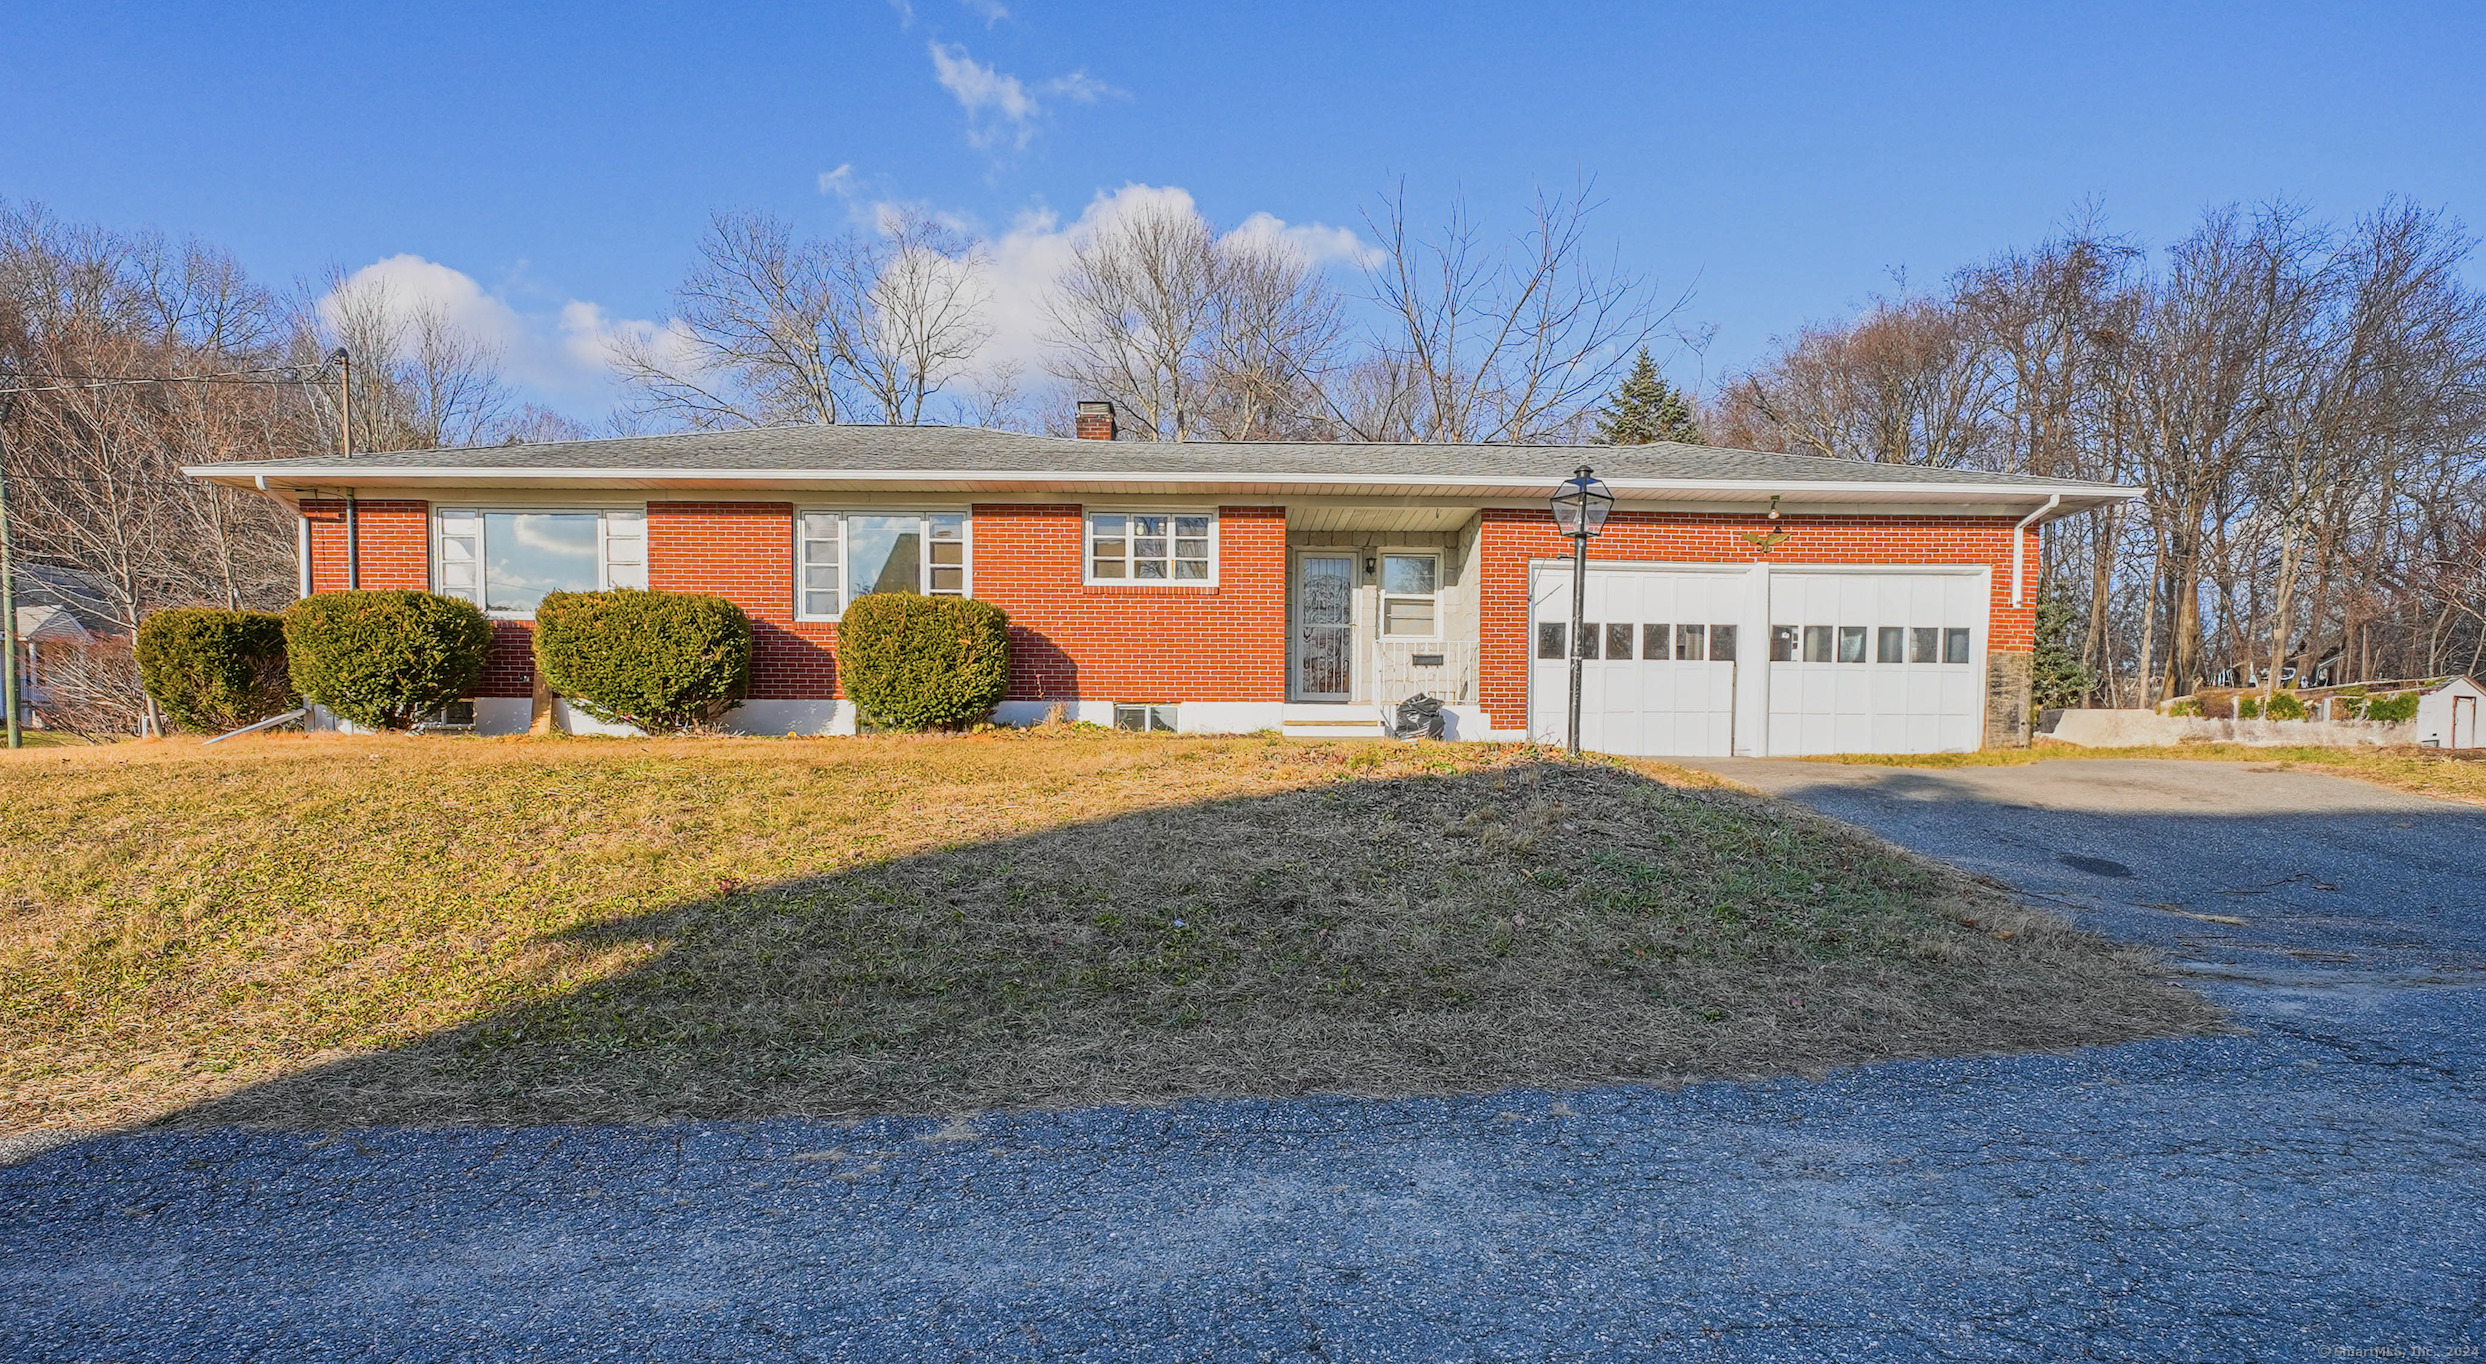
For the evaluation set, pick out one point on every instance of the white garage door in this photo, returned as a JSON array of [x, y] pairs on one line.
[[1876, 662], [1659, 676]]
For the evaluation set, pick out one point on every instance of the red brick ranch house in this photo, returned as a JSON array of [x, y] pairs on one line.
[[1217, 587]]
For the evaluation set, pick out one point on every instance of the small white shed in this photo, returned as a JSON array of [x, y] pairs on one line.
[[2449, 715]]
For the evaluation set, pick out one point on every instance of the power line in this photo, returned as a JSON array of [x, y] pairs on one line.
[[293, 374]]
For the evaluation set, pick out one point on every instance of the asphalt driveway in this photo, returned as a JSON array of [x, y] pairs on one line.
[[2308, 1189]]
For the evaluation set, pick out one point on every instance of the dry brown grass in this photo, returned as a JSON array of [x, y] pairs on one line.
[[325, 931], [2423, 771]]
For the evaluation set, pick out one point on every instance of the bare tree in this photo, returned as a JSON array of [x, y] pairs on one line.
[[1514, 340], [771, 330]]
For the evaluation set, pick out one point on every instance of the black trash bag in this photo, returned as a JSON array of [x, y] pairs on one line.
[[1419, 717]]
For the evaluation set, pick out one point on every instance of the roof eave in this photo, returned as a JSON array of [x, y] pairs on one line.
[[266, 477]]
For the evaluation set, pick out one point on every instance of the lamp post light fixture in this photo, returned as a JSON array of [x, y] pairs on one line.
[[1580, 507]]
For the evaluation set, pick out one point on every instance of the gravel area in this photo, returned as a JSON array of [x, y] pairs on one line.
[[2309, 1188]]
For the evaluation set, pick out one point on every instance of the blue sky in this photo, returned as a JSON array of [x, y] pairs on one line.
[[1783, 159]]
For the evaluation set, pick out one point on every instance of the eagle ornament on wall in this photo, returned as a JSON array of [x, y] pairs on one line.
[[1765, 541]]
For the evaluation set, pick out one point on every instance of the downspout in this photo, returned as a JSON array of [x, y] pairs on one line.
[[354, 557], [2019, 542]]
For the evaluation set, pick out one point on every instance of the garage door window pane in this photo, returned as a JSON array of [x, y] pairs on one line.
[[1955, 646], [1588, 639], [1851, 644], [1618, 641], [1691, 643], [1816, 643], [1653, 640], [1549, 639], [1892, 645], [1924, 646], [1783, 643], [1721, 643]]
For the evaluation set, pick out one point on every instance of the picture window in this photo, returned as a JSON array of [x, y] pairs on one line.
[[507, 562]]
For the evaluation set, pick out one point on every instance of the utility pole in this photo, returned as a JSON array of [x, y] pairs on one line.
[[345, 447], [8, 617]]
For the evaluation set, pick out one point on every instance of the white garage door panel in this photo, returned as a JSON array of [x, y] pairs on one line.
[[1641, 704], [1873, 705]]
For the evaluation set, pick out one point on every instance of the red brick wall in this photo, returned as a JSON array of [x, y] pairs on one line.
[[1510, 537], [744, 552], [1135, 643], [393, 537]]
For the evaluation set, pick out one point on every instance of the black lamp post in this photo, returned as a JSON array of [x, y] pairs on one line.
[[1580, 507]]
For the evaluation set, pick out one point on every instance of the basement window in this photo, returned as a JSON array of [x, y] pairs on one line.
[[1145, 719]]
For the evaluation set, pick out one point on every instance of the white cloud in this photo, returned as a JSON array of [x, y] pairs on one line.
[[1081, 88], [559, 356], [840, 182], [1318, 243], [998, 105], [1026, 259], [990, 11], [906, 13]]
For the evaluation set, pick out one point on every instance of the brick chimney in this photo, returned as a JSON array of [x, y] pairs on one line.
[[1096, 420]]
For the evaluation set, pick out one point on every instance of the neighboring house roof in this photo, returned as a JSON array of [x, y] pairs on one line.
[[953, 458], [50, 625], [81, 595]]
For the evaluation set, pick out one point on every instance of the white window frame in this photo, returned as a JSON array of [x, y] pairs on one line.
[[630, 574], [845, 547], [1381, 588], [1087, 546]]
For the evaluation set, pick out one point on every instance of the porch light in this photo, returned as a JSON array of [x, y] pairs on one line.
[[1580, 508], [1580, 505]]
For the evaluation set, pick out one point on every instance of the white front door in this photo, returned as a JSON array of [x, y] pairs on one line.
[[1657, 677], [1868, 661], [1324, 627]]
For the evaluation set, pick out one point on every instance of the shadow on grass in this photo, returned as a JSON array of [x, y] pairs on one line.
[[1541, 924]]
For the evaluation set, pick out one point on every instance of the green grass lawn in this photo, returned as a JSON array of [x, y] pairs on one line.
[[332, 931]]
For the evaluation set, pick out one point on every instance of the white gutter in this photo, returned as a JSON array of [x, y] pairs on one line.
[[2020, 542], [1450, 482]]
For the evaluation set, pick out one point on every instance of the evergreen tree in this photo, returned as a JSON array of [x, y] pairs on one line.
[[2059, 678], [1646, 408]]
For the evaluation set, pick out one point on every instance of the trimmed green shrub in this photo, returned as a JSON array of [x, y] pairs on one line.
[[2283, 705], [2393, 709], [2248, 707], [214, 671], [658, 660], [385, 659], [912, 662]]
